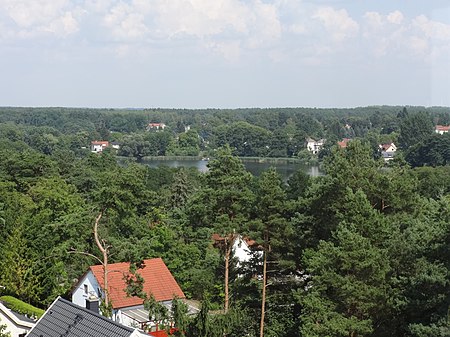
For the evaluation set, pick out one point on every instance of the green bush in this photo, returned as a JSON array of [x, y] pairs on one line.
[[21, 307]]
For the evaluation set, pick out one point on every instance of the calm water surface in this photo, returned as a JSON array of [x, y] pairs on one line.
[[284, 169]]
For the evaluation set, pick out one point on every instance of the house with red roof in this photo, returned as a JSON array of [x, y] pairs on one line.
[[99, 145], [441, 129], [388, 151], [343, 144], [155, 126], [244, 249], [128, 310]]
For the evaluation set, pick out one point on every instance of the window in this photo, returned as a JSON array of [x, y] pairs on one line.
[[86, 290]]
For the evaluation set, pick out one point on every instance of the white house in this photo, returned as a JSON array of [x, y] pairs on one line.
[[441, 129], [156, 126], [99, 145], [388, 151], [244, 249], [314, 146], [115, 145], [127, 310], [16, 324]]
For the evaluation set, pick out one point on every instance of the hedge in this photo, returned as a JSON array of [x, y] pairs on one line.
[[21, 307]]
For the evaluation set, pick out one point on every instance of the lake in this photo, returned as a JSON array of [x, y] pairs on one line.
[[256, 168]]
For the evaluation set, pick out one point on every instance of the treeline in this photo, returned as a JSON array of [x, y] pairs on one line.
[[250, 132], [360, 251]]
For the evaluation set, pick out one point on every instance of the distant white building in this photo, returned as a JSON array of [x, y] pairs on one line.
[[441, 129], [156, 126], [115, 145], [244, 249], [99, 145], [388, 151], [314, 146], [129, 310]]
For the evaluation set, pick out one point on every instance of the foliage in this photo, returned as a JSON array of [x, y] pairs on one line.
[[21, 307], [414, 128], [433, 150], [361, 251], [2, 331]]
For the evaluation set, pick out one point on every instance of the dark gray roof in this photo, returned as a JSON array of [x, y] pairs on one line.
[[65, 319]]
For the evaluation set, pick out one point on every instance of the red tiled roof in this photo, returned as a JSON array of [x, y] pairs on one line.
[[343, 144], [443, 128], [158, 281], [100, 142], [386, 146]]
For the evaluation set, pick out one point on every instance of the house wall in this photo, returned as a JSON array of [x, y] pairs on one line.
[[79, 294], [314, 146], [96, 148], [15, 328], [241, 250]]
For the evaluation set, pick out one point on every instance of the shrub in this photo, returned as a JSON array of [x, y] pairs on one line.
[[21, 307]]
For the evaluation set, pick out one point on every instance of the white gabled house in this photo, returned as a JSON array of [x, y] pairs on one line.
[[441, 129], [388, 151], [127, 310], [244, 249], [155, 126], [99, 145], [313, 145]]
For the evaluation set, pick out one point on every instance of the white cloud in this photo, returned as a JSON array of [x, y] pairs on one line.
[[125, 23], [297, 28], [395, 17], [33, 18], [432, 29], [64, 25], [230, 50], [281, 30], [418, 45], [337, 22], [393, 34]]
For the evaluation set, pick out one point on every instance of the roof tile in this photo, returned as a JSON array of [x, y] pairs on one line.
[[158, 281]]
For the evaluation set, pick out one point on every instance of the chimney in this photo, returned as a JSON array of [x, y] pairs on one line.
[[92, 304]]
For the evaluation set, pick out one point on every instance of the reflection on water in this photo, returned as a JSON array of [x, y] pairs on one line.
[[284, 169]]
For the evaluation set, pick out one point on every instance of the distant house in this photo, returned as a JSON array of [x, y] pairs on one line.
[[99, 145], [16, 324], [441, 129], [158, 281], [388, 151], [155, 126], [244, 249], [343, 143], [314, 146], [67, 319], [115, 145]]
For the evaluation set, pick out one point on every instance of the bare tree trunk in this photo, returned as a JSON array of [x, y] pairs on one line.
[[104, 249], [229, 242], [228, 248], [263, 300]]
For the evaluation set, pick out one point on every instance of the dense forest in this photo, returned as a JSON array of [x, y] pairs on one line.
[[363, 250]]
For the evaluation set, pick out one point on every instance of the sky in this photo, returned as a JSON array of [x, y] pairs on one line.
[[224, 53]]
